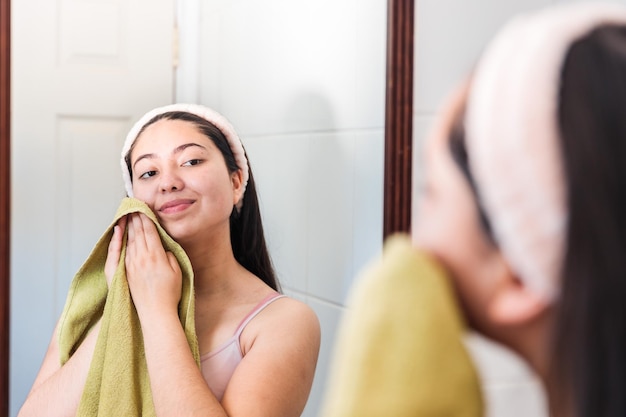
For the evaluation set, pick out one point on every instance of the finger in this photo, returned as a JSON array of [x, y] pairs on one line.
[[151, 234], [133, 238], [131, 229], [122, 223], [135, 230], [144, 243], [176, 269], [173, 262]]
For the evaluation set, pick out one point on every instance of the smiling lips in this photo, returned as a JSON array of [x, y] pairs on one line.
[[175, 206]]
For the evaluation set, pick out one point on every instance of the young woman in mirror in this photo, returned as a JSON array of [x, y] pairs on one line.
[[258, 347]]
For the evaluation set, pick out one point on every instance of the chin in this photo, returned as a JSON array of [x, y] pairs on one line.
[[179, 234]]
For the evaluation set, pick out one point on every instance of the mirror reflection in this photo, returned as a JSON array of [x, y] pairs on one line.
[[302, 82]]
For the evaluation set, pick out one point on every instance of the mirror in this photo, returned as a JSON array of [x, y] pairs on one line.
[[304, 84]]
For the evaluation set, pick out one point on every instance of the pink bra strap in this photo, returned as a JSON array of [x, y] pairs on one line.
[[264, 303]]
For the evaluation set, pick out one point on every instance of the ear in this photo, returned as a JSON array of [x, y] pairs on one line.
[[236, 179], [513, 303]]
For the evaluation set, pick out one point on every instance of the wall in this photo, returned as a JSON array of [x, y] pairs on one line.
[[303, 82]]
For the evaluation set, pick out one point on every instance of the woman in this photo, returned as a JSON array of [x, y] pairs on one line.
[[259, 349], [524, 204], [543, 272]]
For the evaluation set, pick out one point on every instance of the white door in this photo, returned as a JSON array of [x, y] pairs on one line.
[[82, 71]]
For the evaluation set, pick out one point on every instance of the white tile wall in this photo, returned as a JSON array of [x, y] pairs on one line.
[[449, 35], [329, 316], [331, 201], [280, 168], [367, 231], [321, 197], [277, 73], [304, 84], [370, 65], [510, 387]]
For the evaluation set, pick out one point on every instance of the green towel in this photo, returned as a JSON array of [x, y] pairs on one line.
[[118, 383], [400, 348]]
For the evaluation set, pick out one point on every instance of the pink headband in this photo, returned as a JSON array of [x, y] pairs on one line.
[[513, 137], [207, 114]]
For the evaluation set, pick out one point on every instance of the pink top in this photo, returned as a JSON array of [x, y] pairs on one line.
[[218, 366]]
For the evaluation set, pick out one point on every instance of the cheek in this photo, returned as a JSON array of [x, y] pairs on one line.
[[447, 227], [141, 192], [444, 230], [216, 185]]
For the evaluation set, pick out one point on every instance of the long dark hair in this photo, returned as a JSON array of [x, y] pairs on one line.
[[246, 227], [589, 356]]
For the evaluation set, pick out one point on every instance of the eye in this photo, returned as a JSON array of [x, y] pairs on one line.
[[192, 162], [147, 175]]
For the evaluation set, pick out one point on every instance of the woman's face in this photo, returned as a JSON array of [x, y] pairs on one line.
[[448, 224], [183, 178]]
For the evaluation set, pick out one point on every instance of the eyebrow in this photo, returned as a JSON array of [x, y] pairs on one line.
[[176, 150]]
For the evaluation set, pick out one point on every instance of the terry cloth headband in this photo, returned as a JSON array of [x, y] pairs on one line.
[[513, 136], [207, 114]]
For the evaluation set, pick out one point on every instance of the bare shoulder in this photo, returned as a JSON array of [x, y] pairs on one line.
[[286, 319], [295, 307], [280, 346], [291, 312]]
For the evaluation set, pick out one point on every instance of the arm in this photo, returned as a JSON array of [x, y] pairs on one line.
[[274, 377], [276, 374], [57, 389]]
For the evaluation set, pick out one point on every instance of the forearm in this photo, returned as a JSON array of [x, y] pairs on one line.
[[59, 393], [178, 388]]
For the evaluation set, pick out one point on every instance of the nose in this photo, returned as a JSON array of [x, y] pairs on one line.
[[170, 181]]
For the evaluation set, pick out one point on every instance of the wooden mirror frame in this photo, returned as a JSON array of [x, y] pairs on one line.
[[398, 151], [398, 117], [5, 199]]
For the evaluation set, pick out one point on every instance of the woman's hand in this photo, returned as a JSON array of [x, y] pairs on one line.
[[115, 250], [154, 276]]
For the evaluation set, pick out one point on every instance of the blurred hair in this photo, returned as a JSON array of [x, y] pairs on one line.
[[246, 227], [588, 358]]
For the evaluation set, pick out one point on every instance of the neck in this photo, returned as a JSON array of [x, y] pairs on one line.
[[533, 344], [213, 261]]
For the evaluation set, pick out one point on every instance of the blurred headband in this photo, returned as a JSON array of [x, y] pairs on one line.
[[205, 113], [513, 136]]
